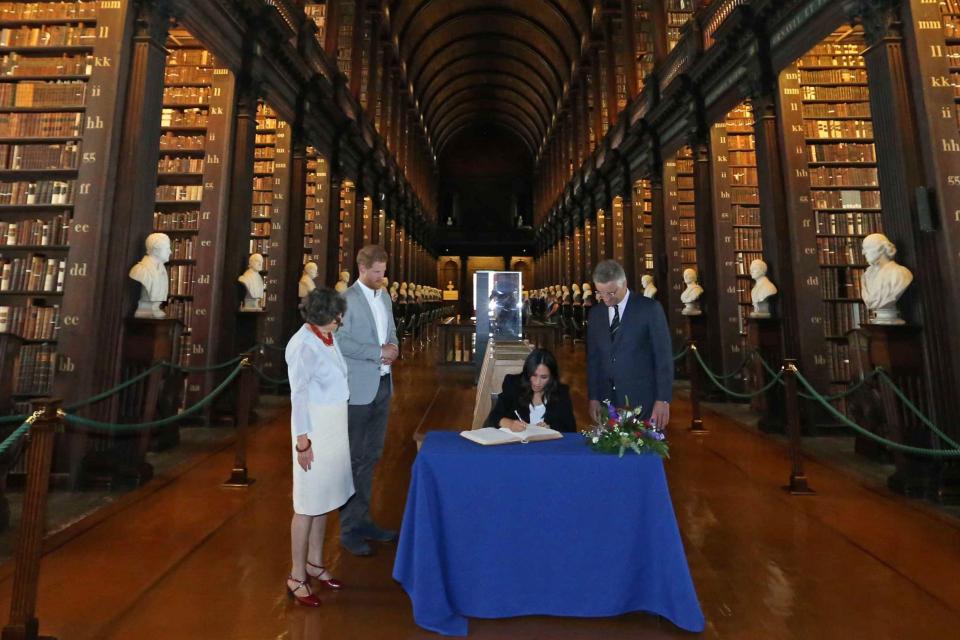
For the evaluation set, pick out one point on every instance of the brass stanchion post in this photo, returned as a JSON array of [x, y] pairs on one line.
[[798, 479], [23, 624], [246, 388], [693, 369]]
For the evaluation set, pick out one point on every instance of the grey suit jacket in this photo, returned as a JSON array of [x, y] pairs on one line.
[[360, 345]]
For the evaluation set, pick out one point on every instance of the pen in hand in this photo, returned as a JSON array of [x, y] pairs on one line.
[[517, 413]]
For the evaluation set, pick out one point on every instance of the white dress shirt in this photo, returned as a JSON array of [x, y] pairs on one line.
[[537, 413], [620, 307], [379, 317]]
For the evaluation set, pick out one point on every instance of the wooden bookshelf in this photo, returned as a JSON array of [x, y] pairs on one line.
[[833, 193], [364, 55], [348, 194], [345, 20], [51, 139], [643, 36], [588, 85], [317, 11], [616, 227], [191, 183], [679, 13], [367, 221], [600, 236], [317, 200], [269, 215], [643, 230], [681, 244]]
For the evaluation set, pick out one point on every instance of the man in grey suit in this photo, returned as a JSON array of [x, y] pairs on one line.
[[628, 348], [368, 341]]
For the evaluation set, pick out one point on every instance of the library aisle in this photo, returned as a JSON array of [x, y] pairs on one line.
[[195, 560]]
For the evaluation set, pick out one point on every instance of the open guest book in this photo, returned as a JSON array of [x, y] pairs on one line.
[[490, 435]]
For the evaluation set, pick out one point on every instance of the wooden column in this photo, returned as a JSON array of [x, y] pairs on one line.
[[356, 45], [630, 234], [659, 232], [333, 225], [629, 44], [658, 15], [297, 202], [332, 29], [610, 60], [707, 255]]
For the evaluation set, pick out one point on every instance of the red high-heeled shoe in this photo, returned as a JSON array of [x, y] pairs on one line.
[[308, 600], [329, 583]]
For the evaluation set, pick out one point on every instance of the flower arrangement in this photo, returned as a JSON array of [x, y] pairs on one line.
[[622, 429]]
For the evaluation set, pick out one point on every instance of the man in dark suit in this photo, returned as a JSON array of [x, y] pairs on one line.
[[629, 357]]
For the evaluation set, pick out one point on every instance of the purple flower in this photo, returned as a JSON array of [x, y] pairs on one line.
[[612, 412], [655, 435]]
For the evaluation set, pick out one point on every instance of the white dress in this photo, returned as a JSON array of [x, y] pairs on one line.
[[318, 400]]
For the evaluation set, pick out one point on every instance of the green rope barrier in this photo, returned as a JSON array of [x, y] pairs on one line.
[[106, 426], [272, 346], [213, 367], [913, 408], [830, 398], [933, 453], [117, 389], [270, 379], [730, 392], [682, 353], [18, 433], [20, 417]]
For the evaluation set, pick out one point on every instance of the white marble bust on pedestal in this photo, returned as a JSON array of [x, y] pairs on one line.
[[253, 296], [307, 284], [152, 275], [762, 290], [884, 281], [691, 295], [649, 290]]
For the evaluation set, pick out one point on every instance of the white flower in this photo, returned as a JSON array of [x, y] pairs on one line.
[[596, 439]]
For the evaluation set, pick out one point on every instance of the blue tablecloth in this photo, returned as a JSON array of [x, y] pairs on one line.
[[549, 528]]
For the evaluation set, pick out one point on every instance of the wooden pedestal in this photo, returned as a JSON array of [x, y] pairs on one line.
[[697, 330], [120, 458], [763, 336], [898, 349], [9, 348]]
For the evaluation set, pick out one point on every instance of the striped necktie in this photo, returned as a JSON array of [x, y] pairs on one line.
[[615, 323]]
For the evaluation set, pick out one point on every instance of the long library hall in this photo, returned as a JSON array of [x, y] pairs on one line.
[[264, 262]]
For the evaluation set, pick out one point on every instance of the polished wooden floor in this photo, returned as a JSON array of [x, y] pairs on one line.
[[192, 559]]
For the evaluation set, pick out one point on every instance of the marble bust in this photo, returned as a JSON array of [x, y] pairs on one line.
[[152, 275], [762, 290], [307, 284], [449, 285], [252, 281], [884, 280], [649, 290], [691, 295]]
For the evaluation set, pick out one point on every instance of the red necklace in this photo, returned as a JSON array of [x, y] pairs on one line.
[[325, 339]]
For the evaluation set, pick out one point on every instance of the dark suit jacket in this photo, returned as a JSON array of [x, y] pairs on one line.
[[559, 414], [637, 362]]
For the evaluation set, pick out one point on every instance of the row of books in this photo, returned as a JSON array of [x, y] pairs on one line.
[[174, 75], [840, 368], [52, 231], [43, 94], [173, 142], [841, 283], [11, 11], [833, 76], [687, 225], [688, 257], [182, 248], [15, 65], [41, 125], [743, 177], [186, 95], [845, 199], [266, 138], [181, 310], [173, 164], [186, 117], [261, 211], [48, 36], [181, 277], [838, 94], [688, 240], [37, 192], [831, 60], [263, 183], [265, 153], [861, 224], [838, 128], [36, 273], [179, 193], [33, 369], [263, 166], [743, 260], [190, 58], [842, 152], [180, 220], [843, 177], [745, 195], [951, 26], [39, 157], [31, 322], [748, 239], [260, 245], [836, 49], [839, 250], [684, 182], [262, 197], [260, 229], [836, 110], [841, 317], [742, 156]]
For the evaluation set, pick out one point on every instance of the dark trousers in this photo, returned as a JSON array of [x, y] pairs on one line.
[[367, 429]]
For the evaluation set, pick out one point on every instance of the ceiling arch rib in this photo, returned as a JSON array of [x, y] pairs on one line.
[[458, 76], [492, 105], [451, 96]]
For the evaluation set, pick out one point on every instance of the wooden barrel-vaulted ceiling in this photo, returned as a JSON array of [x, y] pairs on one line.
[[502, 62]]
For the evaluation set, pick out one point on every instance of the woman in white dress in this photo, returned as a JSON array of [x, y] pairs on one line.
[[322, 480]]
